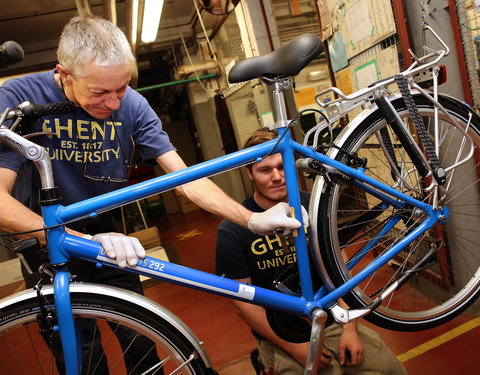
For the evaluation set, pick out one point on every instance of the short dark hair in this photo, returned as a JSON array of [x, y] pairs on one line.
[[260, 136]]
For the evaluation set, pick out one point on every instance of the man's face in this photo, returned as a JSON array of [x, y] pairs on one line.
[[100, 90], [269, 179]]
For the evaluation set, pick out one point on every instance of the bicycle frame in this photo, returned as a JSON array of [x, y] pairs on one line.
[[63, 246]]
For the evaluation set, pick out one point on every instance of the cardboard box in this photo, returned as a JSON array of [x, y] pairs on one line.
[[187, 205], [149, 237], [170, 202], [10, 272]]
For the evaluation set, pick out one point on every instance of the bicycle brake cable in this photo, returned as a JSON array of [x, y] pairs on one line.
[[6, 235], [291, 123]]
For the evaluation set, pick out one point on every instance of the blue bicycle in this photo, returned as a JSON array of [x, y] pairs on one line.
[[394, 219]]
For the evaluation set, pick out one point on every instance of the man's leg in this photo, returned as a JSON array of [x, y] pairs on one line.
[[378, 358], [284, 364]]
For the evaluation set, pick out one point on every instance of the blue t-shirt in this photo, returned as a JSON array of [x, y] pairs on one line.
[[89, 156]]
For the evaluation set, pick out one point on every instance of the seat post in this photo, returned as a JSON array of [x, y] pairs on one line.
[[279, 106]]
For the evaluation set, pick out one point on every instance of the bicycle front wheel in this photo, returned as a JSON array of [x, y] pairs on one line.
[[123, 333], [352, 224]]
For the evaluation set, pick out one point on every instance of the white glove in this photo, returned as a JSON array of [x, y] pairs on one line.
[[276, 218], [117, 246]]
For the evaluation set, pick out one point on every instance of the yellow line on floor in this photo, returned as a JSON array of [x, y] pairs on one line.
[[439, 340]]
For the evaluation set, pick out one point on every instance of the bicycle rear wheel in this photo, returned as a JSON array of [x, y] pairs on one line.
[[348, 219], [167, 346]]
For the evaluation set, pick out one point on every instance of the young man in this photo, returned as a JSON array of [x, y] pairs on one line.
[[247, 257], [92, 147]]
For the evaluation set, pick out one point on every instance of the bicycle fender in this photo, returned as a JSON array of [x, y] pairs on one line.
[[317, 190], [121, 295]]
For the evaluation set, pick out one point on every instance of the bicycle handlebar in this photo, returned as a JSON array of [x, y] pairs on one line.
[[25, 147], [33, 111]]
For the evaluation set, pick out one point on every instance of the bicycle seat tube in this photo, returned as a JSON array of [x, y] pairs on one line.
[[291, 181]]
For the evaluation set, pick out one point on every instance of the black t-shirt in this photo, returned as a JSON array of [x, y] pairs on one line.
[[241, 253]]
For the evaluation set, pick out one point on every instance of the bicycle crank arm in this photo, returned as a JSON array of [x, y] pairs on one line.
[[317, 339]]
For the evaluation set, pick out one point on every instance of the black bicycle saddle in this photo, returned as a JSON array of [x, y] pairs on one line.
[[286, 61]]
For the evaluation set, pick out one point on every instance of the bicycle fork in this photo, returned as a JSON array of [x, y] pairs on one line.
[[71, 339]]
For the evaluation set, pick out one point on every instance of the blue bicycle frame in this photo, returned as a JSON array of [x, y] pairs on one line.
[[63, 246]]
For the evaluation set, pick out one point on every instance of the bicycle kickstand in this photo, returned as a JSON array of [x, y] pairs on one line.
[[317, 338]]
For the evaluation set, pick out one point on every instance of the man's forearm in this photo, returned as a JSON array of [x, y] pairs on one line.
[[205, 193], [210, 197], [15, 217]]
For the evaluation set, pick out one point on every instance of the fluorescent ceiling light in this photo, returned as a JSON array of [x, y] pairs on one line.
[[133, 36], [151, 20]]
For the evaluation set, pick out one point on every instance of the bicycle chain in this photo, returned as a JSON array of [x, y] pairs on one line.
[[421, 129]]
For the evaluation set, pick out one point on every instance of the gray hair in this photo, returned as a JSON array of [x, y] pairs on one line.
[[94, 39]]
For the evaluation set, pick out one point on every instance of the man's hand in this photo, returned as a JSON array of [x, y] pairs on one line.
[[276, 217], [117, 246], [350, 347]]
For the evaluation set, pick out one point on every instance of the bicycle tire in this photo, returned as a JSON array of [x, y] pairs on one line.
[[451, 283], [24, 351]]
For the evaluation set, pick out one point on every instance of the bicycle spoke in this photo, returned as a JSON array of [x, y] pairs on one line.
[[150, 343]]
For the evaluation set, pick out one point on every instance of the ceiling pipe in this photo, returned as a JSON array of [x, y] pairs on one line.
[[83, 7], [184, 70], [110, 10], [173, 83]]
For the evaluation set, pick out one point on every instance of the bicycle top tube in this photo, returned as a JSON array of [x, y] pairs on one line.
[[93, 206]]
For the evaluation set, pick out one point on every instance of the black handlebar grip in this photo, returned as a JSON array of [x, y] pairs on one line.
[[34, 111]]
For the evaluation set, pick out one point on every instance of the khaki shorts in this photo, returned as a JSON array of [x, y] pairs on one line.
[[378, 359]]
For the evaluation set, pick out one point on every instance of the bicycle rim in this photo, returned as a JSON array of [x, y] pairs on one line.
[[152, 344], [349, 219]]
